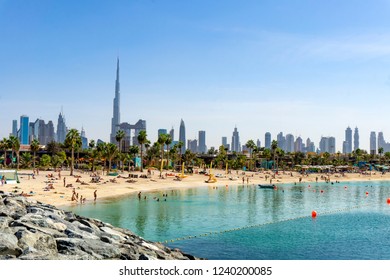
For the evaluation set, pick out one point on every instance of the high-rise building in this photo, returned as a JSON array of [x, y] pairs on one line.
[[328, 144], [14, 128], [258, 143], [373, 143], [347, 146], [356, 139], [281, 141], [24, 130], [84, 139], [298, 144], [382, 143], [172, 134], [225, 143], [161, 131], [182, 136], [267, 142], [236, 146], [115, 121], [61, 128], [309, 146], [202, 148], [290, 143], [192, 145]]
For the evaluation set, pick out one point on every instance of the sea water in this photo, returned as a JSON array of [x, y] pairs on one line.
[[246, 222]]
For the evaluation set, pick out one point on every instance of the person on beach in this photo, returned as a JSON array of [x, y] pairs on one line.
[[139, 196], [95, 195], [64, 181]]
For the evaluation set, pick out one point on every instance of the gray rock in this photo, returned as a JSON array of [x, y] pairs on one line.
[[9, 245], [36, 242]]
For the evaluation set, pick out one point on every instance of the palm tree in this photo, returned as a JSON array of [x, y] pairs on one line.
[[120, 134], [25, 159], [142, 139], [274, 146], [34, 147], [162, 138], [4, 145], [168, 142], [380, 152], [72, 141], [110, 151], [133, 151], [91, 144], [250, 145], [15, 146], [180, 145]]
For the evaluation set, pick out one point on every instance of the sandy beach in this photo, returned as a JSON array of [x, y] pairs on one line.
[[49, 187]]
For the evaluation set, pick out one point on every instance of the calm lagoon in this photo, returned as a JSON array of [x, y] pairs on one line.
[[246, 222]]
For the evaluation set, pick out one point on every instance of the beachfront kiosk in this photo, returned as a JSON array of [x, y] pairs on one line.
[[10, 176]]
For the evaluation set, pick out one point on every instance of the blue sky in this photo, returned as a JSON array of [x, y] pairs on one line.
[[310, 68]]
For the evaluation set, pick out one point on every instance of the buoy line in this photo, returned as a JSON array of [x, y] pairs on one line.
[[265, 224]]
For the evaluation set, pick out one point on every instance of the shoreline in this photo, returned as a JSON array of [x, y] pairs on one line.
[[112, 187]]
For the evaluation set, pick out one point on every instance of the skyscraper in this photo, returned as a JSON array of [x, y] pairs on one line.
[[182, 136], [24, 130], [202, 142], [236, 146], [281, 141], [373, 143], [225, 143], [267, 142], [61, 128], [172, 134], [115, 121], [348, 140], [290, 143], [258, 143], [298, 144], [15, 128], [356, 139], [161, 131]]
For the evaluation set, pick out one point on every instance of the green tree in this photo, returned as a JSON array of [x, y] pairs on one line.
[[25, 160], [34, 147], [274, 146], [250, 144], [111, 151], [73, 142], [162, 138], [168, 142], [142, 140], [15, 146], [133, 151], [120, 134], [380, 152], [4, 145], [45, 161]]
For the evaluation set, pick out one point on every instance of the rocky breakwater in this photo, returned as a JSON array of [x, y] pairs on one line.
[[32, 230]]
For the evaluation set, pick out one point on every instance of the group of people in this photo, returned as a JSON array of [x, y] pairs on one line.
[[75, 196]]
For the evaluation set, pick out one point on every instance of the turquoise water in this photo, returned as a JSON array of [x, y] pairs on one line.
[[245, 222]]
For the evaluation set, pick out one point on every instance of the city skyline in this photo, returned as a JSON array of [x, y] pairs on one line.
[[252, 65]]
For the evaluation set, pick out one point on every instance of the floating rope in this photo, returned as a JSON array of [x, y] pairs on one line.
[[263, 224]]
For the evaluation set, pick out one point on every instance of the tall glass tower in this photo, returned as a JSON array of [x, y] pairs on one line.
[[182, 136], [356, 139], [24, 130], [61, 128], [115, 121]]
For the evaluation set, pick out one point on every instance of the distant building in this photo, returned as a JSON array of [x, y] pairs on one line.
[[310, 146], [290, 143], [225, 144], [84, 139], [116, 120], [347, 146], [328, 144], [14, 128], [382, 143], [182, 136], [236, 146], [192, 145], [61, 129], [161, 131], [267, 142], [24, 130], [298, 145], [373, 143], [172, 134], [356, 139], [281, 141], [258, 143], [202, 148]]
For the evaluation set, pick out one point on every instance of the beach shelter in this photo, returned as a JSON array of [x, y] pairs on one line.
[[10, 176]]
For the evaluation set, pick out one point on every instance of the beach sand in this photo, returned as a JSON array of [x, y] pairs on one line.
[[60, 195]]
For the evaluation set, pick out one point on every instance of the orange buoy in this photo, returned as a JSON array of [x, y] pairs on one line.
[[388, 201], [313, 214], [366, 193]]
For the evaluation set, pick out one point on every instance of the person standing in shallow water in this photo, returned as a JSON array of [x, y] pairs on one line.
[[139, 196], [95, 195]]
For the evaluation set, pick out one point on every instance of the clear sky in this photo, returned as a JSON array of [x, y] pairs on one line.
[[310, 68]]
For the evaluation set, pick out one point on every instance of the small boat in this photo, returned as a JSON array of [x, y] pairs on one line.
[[267, 186]]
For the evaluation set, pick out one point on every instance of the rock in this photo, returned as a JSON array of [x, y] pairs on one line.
[[36, 242], [9, 245]]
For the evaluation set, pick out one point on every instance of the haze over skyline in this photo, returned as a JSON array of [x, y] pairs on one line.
[[306, 68]]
